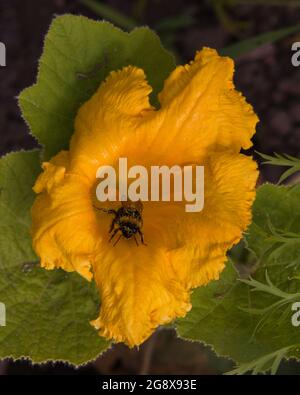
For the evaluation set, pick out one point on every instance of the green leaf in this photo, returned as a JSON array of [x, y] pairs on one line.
[[282, 160], [246, 46], [78, 55], [47, 312], [250, 320], [274, 236]]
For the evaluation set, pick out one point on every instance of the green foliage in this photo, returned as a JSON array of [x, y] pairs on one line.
[[47, 312], [246, 46], [78, 55], [283, 160], [249, 320]]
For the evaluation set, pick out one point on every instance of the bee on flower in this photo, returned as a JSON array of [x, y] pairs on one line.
[[202, 120]]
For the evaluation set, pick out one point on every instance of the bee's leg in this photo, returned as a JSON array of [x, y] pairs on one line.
[[105, 210], [112, 225], [117, 240], [110, 211], [136, 241], [114, 233], [142, 237]]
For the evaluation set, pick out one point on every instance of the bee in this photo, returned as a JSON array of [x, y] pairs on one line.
[[127, 221]]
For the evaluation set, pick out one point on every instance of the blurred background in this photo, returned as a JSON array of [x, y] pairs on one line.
[[265, 76]]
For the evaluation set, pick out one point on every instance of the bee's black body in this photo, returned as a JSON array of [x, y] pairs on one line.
[[128, 221]]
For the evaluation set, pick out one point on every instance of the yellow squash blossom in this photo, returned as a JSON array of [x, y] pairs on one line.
[[202, 120]]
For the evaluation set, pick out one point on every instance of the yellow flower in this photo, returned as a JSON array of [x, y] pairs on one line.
[[202, 120]]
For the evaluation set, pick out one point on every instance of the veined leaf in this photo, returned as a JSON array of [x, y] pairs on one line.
[[47, 312]]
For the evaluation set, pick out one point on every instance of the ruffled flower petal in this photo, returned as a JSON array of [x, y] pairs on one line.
[[139, 291], [106, 123], [230, 182], [201, 111], [64, 229]]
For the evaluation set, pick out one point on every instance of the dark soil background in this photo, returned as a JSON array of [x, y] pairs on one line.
[[265, 76]]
